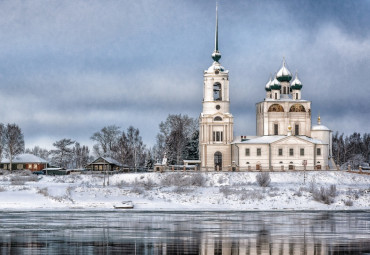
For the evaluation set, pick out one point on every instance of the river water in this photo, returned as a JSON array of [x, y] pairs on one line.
[[131, 232]]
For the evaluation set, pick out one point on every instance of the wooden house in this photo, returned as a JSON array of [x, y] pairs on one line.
[[105, 164], [25, 161]]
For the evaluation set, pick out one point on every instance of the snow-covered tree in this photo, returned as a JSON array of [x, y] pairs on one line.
[[174, 135], [39, 152], [106, 139], [63, 154], [13, 141]]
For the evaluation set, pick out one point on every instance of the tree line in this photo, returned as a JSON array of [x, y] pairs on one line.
[[177, 140], [353, 149]]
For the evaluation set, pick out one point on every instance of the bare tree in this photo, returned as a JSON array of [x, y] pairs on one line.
[[121, 150], [106, 139], [62, 156], [14, 142], [135, 148], [2, 141], [80, 155]]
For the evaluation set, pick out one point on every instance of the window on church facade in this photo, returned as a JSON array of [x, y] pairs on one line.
[[291, 152], [247, 152], [318, 151], [280, 152], [275, 95], [217, 136], [217, 92], [258, 151], [296, 129], [276, 129], [302, 151]]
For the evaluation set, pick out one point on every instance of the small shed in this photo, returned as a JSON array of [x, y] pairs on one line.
[[104, 164], [25, 161]]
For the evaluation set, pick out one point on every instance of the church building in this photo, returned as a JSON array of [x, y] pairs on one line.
[[285, 138]]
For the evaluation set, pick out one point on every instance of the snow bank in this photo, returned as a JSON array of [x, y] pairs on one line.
[[186, 191]]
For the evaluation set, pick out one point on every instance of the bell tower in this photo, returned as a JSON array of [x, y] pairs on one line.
[[216, 121]]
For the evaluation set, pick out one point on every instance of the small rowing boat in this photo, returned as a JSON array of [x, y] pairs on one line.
[[125, 205]]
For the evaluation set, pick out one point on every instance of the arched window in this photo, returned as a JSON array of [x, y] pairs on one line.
[[218, 160], [217, 91], [217, 118], [297, 108], [276, 108], [296, 129]]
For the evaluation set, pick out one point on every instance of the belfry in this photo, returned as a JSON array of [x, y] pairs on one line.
[[216, 121]]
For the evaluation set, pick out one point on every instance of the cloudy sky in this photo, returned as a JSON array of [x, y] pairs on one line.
[[69, 68]]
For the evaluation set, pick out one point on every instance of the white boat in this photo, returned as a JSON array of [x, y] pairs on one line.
[[125, 205]]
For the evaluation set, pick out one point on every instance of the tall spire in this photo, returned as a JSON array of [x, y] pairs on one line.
[[216, 54]]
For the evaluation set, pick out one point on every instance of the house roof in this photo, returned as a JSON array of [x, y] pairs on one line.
[[26, 158], [108, 160]]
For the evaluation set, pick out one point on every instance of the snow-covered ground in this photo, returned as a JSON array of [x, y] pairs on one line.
[[186, 191]]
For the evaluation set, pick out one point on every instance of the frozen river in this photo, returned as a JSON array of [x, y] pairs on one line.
[[130, 232]]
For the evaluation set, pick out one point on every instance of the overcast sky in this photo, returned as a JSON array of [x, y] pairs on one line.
[[69, 68]]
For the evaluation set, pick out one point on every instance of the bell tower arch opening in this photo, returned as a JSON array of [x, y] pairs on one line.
[[217, 95]]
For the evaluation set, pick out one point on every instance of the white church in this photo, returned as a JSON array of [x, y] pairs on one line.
[[285, 138]]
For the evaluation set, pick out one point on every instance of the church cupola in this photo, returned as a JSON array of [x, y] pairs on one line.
[[284, 74], [275, 87], [268, 89], [296, 87]]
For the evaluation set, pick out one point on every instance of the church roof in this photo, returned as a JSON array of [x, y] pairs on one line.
[[216, 66], [268, 139], [320, 127]]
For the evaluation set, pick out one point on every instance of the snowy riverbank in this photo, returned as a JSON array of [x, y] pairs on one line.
[[187, 191]]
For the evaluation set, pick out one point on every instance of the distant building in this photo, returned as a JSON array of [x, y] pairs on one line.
[[25, 161], [285, 138]]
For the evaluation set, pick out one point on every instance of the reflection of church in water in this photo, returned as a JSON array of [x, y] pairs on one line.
[[285, 139]]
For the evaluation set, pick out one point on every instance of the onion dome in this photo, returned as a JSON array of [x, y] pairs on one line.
[[275, 84], [296, 83], [267, 87], [284, 74]]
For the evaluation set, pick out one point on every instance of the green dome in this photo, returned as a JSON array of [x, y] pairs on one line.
[[284, 74], [296, 83], [275, 85]]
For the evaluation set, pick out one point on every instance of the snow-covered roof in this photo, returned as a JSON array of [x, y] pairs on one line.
[[268, 139], [263, 139], [320, 127], [310, 139], [216, 66], [283, 99], [26, 158], [112, 161], [107, 159]]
